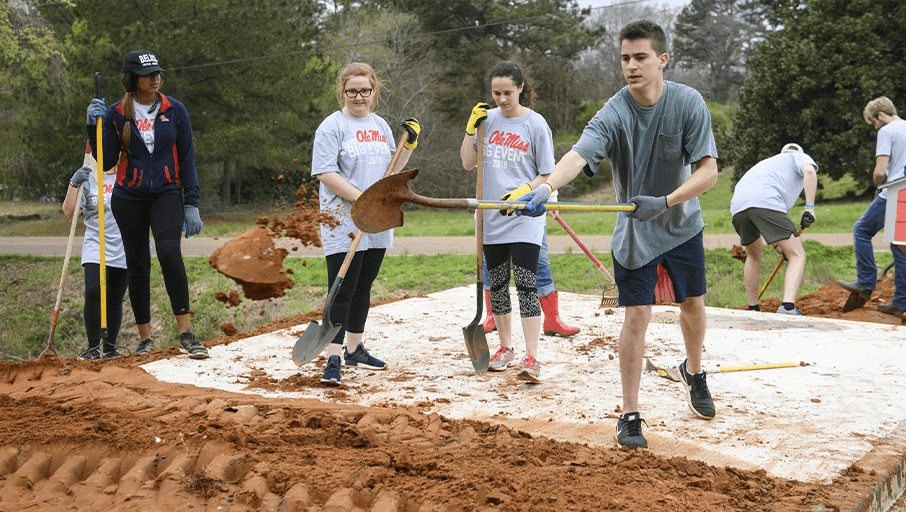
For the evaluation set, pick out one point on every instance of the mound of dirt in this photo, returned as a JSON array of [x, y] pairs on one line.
[[828, 302], [107, 436]]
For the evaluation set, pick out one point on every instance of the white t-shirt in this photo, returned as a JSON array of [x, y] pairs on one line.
[[773, 183], [892, 143], [359, 150], [114, 255], [144, 121], [516, 151]]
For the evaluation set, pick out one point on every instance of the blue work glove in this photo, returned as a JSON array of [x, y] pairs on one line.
[[647, 207], [192, 224], [96, 108], [80, 176], [536, 199], [410, 124]]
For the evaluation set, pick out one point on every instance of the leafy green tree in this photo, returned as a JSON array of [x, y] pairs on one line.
[[248, 73], [717, 35], [811, 79], [473, 35]]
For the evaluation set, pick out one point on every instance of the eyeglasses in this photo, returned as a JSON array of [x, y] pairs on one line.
[[351, 94]]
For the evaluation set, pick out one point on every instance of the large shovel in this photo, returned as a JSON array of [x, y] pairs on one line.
[[476, 341], [316, 337], [378, 208]]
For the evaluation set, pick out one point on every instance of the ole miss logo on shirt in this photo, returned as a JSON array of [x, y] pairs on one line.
[[144, 125], [368, 142], [505, 147]]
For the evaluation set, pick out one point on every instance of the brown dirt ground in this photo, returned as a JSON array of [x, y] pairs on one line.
[[105, 435]]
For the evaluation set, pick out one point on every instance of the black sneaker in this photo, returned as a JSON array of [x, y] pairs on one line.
[[91, 354], [111, 352], [699, 397], [189, 345], [332, 372], [145, 346], [629, 431], [360, 358]]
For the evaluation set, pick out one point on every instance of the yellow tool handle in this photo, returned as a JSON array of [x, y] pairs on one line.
[[520, 205], [757, 367]]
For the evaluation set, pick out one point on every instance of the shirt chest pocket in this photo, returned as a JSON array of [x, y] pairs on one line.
[[669, 147]]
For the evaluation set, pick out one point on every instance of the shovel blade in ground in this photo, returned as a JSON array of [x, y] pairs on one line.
[[476, 341], [316, 337], [313, 341], [855, 301]]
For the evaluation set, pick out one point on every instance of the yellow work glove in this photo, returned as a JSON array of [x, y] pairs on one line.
[[411, 125], [479, 114], [514, 195]]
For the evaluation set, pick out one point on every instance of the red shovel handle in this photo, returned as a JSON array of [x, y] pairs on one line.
[[584, 249]]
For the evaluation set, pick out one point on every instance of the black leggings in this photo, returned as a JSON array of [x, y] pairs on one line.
[[350, 306], [525, 262], [116, 291], [164, 216]]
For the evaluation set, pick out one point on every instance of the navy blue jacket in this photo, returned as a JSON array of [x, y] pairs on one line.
[[141, 175]]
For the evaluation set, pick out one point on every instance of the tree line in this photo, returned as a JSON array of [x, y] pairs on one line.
[[258, 76]]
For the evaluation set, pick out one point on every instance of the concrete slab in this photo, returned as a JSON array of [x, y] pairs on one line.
[[807, 423]]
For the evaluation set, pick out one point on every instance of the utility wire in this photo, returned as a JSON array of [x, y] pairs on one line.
[[335, 47]]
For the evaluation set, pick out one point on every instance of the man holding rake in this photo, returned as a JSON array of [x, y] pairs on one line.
[[652, 131]]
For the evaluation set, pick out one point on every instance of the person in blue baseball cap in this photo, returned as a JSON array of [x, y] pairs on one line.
[[147, 137]]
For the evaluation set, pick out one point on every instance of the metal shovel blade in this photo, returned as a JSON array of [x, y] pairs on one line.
[[855, 301], [313, 341], [316, 337], [476, 341]]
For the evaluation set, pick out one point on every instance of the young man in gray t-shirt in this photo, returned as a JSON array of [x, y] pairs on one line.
[[652, 131]]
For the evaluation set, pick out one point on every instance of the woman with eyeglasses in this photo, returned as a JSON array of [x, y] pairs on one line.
[[353, 148], [148, 137]]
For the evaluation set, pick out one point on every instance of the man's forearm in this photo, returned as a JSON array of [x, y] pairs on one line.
[[704, 177], [566, 169]]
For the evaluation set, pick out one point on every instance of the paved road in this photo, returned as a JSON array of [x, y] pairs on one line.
[[56, 246]]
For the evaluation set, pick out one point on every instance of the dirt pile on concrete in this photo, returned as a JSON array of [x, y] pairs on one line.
[[107, 436]]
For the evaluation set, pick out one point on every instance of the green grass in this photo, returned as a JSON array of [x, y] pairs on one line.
[[835, 214], [34, 281]]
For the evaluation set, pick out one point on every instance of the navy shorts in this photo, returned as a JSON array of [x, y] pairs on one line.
[[685, 265]]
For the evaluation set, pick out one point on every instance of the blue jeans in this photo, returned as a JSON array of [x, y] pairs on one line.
[[543, 277], [864, 230]]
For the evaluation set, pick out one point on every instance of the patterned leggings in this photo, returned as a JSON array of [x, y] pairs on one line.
[[525, 261]]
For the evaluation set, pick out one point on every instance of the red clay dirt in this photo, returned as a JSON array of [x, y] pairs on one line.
[[105, 435]]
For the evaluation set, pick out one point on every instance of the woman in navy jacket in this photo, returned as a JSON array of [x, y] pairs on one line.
[[148, 137]]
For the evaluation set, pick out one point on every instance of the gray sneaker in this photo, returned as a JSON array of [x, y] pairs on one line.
[[189, 345], [502, 358], [699, 397], [784, 311], [145, 346], [629, 431]]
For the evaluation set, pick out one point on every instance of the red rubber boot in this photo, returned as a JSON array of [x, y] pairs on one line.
[[552, 322], [489, 323]]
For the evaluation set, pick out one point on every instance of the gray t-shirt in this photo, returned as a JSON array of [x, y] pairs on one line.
[[516, 151], [114, 254], [773, 183], [359, 150], [892, 143], [651, 151]]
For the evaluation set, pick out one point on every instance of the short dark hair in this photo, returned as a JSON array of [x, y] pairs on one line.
[[645, 29]]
